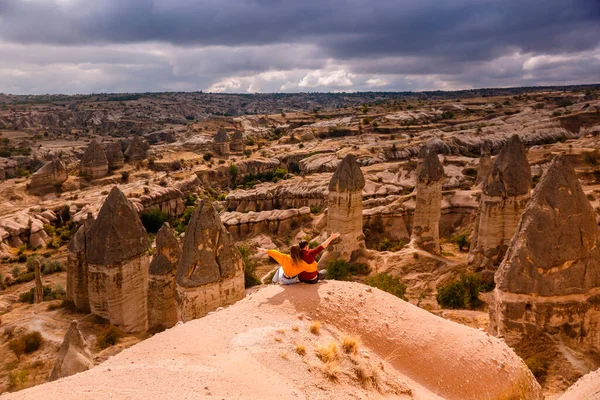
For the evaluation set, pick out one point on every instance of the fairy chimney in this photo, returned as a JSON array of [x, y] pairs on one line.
[[77, 267], [549, 280], [344, 213], [38, 291], [505, 193], [52, 175], [426, 220], [485, 163], [117, 259], [222, 143], [210, 272], [237, 142], [94, 163], [162, 306], [114, 155], [74, 355], [137, 149]]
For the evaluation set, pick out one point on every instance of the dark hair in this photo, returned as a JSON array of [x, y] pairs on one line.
[[302, 244], [296, 254]]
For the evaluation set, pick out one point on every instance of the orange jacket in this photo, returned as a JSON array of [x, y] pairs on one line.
[[290, 268]]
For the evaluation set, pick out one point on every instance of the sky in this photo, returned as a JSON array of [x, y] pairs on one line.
[[250, 46]]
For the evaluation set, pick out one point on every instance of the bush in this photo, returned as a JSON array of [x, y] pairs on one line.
[[27, 277], [388, 283], [338, 270], [250, 278], [460, 294], [153, 219], [125, 176], [207, 156], [461, 241], [26, 344], [564, 103], [315, 209], [538, 367], [109, 337], [391, 245]]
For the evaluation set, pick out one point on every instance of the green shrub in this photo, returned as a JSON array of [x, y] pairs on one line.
[[153, 219], [359, 269], [388, 283], [315, 209], [207, 156], [338, 270], [109, 337], [27, 277], [460, 294], [391, 245], [49, 229], [564, 103], [26, 344], [15, 272], [461, 241], [250, 278]]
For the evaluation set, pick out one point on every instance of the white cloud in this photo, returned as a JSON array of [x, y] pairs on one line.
[[376, 82], [318, 78]]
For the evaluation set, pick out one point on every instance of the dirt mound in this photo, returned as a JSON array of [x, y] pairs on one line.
[[267, 346]]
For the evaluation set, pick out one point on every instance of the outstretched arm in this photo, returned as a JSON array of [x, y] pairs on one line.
[[330, 239]]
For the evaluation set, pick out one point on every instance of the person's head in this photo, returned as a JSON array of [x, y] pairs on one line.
[[303, 244], [296, 253]]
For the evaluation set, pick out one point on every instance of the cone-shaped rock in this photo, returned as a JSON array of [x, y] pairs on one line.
[[74, 355], [77, 267], [51, 175], [344, 213], [222, 144], [426, 221], [137, 149], [114, 155], [221, 136], [94, 163], [551, 274], [162, 306], [118, 264], [505, 194], [210, 271], [237, 142]]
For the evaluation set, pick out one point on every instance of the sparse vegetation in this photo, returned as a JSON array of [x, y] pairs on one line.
[[341, 270], [315, 327], [461, 241], [350, 345], [110, 336], [391, 245], [26, 344], [388, 283], [153, 219], [460, 294], [327, 353], [250, 278], [301, 349]]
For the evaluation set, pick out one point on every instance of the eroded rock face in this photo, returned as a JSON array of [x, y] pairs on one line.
[[222, 143], [426, 222], [94, 163], [485, 163], [74, 355], [53, 174], [344, 213], [162, 306], [505, 194], [237, 142], [210, 273], [137, 149], [77, 267], [117, 257], [114, 155], [549, 279]]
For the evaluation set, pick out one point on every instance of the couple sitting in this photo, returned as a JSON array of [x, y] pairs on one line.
[[300, 264]]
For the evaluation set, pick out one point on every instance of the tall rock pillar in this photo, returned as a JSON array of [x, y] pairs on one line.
[[210, 272], [428, 210], [117, 257], [549, 281], [77, 267], [344, 212], [38, 294], [505, 193]]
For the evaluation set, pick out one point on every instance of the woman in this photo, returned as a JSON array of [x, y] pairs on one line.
[[294, 266]]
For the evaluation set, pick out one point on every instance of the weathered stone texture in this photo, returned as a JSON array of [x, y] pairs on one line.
[[94, 163], [222, 143], [118, 264], [77, 267], [114, 155], [137, 149], [51, 175], [74, 355], [237, 142], [549, 281], [210, 271]]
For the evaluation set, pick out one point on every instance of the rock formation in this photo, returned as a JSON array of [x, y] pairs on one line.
[[505, 193], [485, 162], [117, 257], [94, 163], [137, 149], [222, 142], [37, 235], [344, 213], [53, 174], [237, 142], [549, 281], [162, 306], [77, 267], [114, 155], [74, 355], [210, 273], [38, 291], [426, 220]]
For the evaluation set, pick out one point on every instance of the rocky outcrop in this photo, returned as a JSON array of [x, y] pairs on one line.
[[8, 168], [221, 142], [37, 235], [485, 163], [52, 175], [237, 142], [114, 155], [426, 221], [94, 163], [505, 193], [278, 222], [549, 281], [166, 199], [162, 306], [344, 213], [77, 267], [117, 257], [222, 176], [137, 150], [210, 273], [74, 355], [586, 388]]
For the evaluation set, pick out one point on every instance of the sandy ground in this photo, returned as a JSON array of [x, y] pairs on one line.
[[250, 351]]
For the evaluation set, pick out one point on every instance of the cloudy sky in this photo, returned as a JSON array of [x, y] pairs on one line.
[[90, 46]]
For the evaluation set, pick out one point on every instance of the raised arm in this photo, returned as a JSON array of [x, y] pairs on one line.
[[330, 239]]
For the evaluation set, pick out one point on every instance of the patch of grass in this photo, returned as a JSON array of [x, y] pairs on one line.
[[461, 241], [301, 350], [367, 376], [331, 370], [315, 327], [460, 294], [388, 283], [327, 353], [391, 245], [110, 336], [350, 345]]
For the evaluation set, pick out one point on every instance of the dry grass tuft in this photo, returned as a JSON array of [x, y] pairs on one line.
[[301, 349], [284, 356], [315, 327], [366, 376], [350, 344], [327, 353], [280, 331], [331, 370], [278, 339], [295, 328]]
